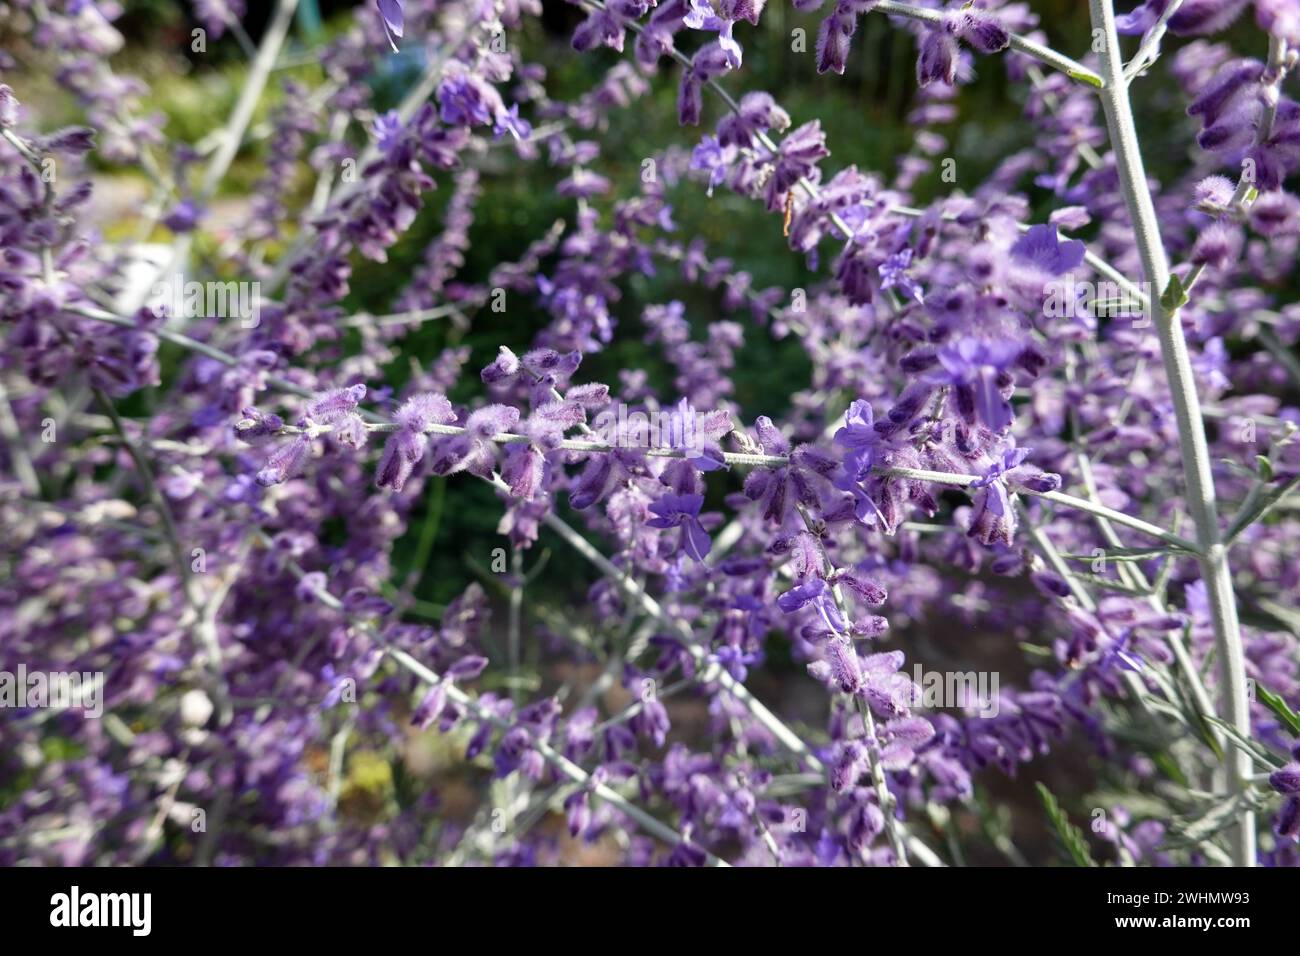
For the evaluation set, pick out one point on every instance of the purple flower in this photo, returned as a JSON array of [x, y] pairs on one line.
[[682, 511], [464, 99], [1141, 18], [860, 437], [858, 431], [814, 593], [405, 447], [388, 130], [285, 461], [183, 217], [736, 661], [937, 61], [893, 274], [994, 518], [710, 156], [833, 39], [702, 17], [940, 54], [1286, 780], [975, 369], [508, 121], [329, 407], [1041, 247], [392, 14], [337, 683], [696, 435]]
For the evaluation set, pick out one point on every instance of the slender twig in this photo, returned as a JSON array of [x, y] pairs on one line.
[[1149, 51], [1057, 61]]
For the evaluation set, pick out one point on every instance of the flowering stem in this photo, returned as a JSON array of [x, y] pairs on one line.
[[888, 805], [888, 809], [562, 764], [206, 634], [787, 738], [413, 100], [1212, 554], [1133, 573], [731, 458], [1274, 73], [1044, 54]]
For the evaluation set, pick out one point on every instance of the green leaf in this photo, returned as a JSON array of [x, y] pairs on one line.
[[1195, 717], [1265, 468], [1290, 719], [1037, 651], [1175, 296], [1097, 581], [1263, 757], [1263, 504], [1193, 831], [1169, 767], [1071, 837], [1288, 616], [1129, 554]]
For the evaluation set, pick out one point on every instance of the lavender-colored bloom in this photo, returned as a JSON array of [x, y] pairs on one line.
[[712, 158], [509, 121], [285, 461], [183, 217], [330, 406], [893, 275], [1041, 247], [974, 368], [814, 593], [388, 130], [702, 17], [736, 661], [466, 100], [1286, 780], [682, 511], [392, 14]]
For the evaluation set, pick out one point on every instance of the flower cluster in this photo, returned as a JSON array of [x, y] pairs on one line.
[[230, 521]]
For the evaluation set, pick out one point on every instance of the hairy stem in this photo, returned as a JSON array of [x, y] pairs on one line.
[[1043, 54]]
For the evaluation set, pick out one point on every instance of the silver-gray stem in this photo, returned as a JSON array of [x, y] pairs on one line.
[[1197, 475]]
